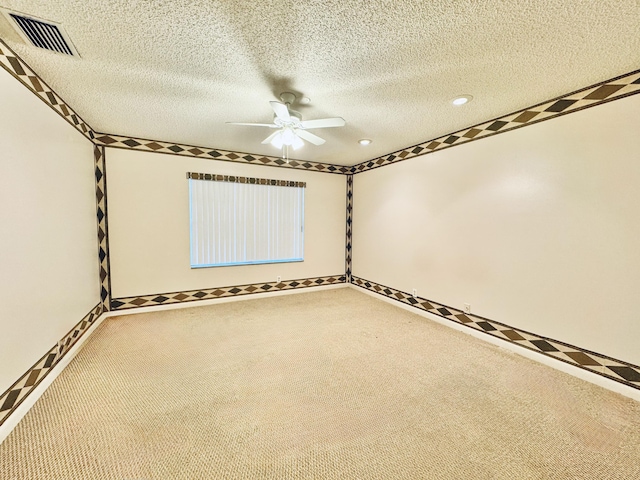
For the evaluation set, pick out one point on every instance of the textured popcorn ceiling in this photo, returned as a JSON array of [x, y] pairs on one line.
[[177, 70]]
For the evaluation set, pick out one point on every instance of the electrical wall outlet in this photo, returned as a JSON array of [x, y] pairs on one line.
[[415, 292], [278, 278], [467, 308]]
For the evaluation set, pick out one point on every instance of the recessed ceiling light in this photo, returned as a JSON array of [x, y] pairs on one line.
[[461, 100], [364, 141]]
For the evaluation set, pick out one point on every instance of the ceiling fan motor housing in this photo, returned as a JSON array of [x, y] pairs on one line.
[[295, 122]]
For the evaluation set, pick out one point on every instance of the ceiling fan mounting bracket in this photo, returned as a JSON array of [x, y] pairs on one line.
[[288, 97]]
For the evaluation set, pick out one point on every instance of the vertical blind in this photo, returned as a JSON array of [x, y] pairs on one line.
[[237, 220]]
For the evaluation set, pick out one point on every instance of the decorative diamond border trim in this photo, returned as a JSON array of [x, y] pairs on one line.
[[616, 88], [13, 64], [129, 143], [103, 229], [221, 292], [253, 181], [617, 370], [19, 69], [15, 395], [349, 240]]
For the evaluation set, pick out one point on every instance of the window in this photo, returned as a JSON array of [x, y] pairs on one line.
[[240, 221]]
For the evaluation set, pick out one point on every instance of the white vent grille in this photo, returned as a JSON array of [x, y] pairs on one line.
[[42, 33]]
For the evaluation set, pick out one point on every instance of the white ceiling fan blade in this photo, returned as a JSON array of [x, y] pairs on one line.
[[281, 111], [309, 137], [324, 123], [270, 125], [270, 137]]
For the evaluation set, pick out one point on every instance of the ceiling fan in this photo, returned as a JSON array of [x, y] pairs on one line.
[[292, 130]]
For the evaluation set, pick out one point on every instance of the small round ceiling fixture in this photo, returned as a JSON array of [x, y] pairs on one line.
[[305, 100], [364, 141], [461, 100]]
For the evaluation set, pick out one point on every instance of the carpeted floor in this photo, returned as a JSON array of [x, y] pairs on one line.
[[324, 385]]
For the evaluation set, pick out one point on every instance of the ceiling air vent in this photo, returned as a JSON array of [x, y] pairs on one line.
[[42, 33]]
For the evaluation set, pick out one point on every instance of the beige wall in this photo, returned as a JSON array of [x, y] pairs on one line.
[[538, 228], [48, 244], [148, 207]]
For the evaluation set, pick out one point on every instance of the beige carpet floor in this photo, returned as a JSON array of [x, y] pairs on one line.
[[325, 385]]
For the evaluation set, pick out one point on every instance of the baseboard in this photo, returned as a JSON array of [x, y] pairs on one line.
[[188, 296], [71, 344], [215, 301], [32, 393], [67, 348], [626, 388]]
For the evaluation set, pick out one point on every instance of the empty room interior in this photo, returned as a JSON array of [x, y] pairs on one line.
[[320, 239]]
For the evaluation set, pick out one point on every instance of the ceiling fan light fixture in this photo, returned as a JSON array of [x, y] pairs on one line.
[[288, 136], [461, 100], [364, 141], [297, 143], [277, 141]]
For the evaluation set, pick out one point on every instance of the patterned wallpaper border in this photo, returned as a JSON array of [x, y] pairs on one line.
[[250, 180], [103, 228], [603, 365], [15, 395], [600, 93], [603, 92], [125, 303], [19, 69], [349, 231], [13, 64], [157, 146], [613, 89]]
